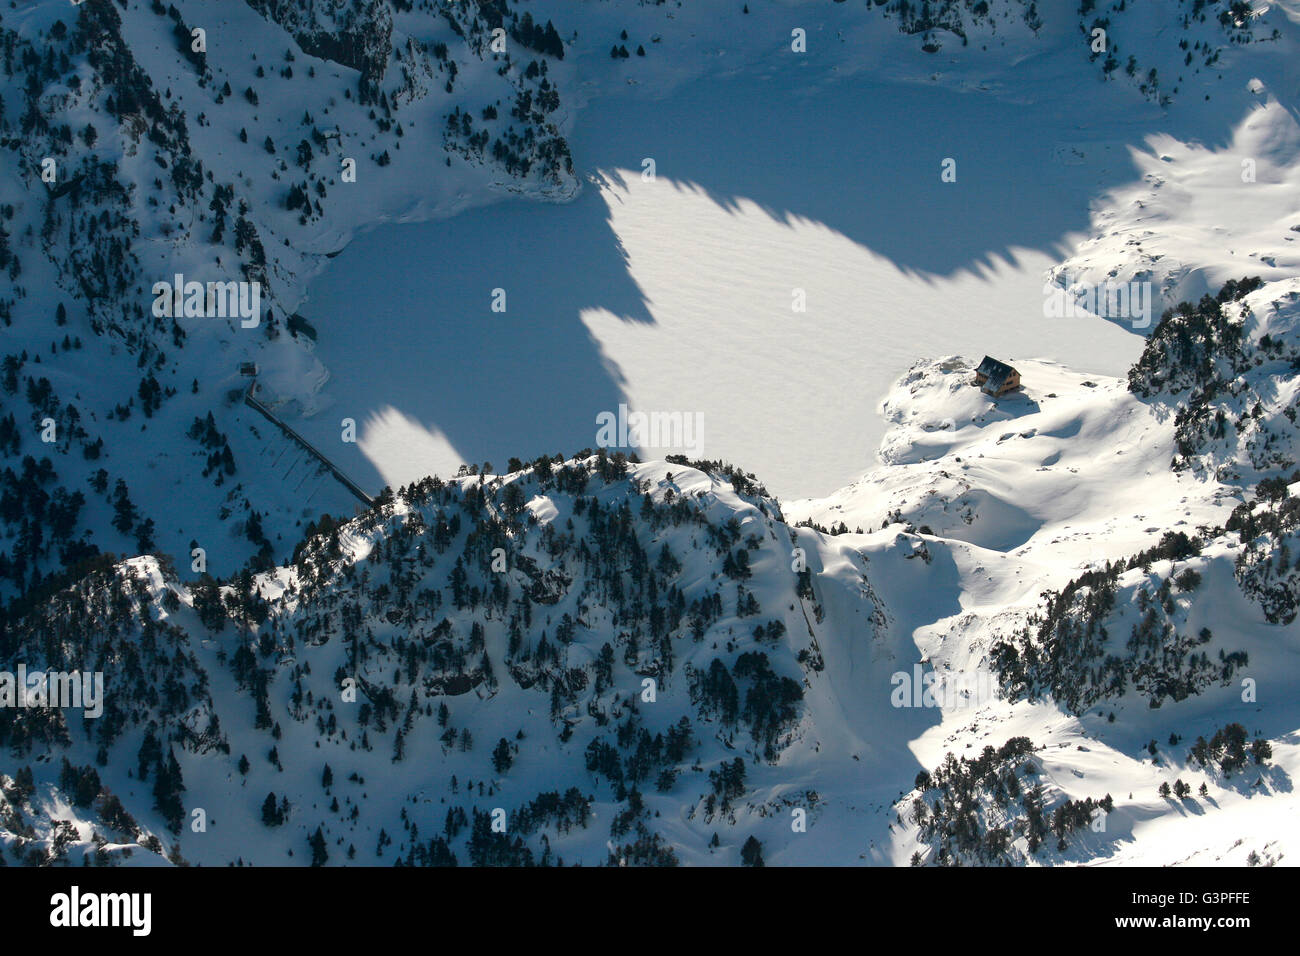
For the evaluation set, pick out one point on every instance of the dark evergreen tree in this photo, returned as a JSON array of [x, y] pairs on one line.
[[501, 756], [319, 854]]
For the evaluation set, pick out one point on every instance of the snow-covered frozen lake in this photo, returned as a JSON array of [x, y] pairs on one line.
[[679, 294]]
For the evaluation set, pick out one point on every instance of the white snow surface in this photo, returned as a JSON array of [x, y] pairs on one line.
[[774, 172]]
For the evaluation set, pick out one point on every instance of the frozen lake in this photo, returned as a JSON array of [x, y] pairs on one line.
[[679, 294]]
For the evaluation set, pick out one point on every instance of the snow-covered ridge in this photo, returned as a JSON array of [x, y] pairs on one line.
[[392, 686], [258, 146], [570, 618], [659, 656], [1100, 577]]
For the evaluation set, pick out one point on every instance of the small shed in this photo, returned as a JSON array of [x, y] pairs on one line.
[[248, 368], [996, 378]]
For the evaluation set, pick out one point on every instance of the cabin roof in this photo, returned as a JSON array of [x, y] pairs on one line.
[[994, 375], [991, 366]]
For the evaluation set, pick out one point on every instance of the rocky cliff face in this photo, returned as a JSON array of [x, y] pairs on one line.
[[353, 33]]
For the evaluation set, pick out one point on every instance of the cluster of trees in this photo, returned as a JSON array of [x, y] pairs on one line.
[[1180, 791], [89, 229], [41, 516], [976, 810], [636, 755], [599, 557], [550, 808], [543, 39], [1200, 349], [81, 784], [1229, 749], [44, 516], [540, 144], [185, 44], [408, 625], [1268, 567], [274, 812], [1068, 649], [106, 621], [770, 704], [167, 789], [728, 783], [648, 849], [743, 482], [220, 460]]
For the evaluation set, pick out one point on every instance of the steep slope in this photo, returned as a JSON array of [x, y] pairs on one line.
[[608, 662], [633, 643], [1123, 557], [1090, 585], [154, 145], [249, 142]]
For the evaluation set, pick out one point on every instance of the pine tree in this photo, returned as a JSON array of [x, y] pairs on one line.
[[319, 855], [271, 811], [167, 788], [501, 757]]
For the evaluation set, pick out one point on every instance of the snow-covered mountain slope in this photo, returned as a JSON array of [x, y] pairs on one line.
[[795, 227], [615, 663], [1121, 559], [1202, 213], [147, 142], [638, 645], [253, 141], [595, 659]]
